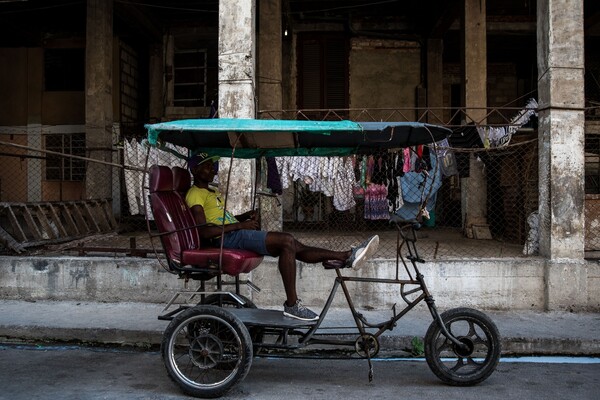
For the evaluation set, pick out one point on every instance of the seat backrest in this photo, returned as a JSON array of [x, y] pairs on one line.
[[171, 214], [181, 180]]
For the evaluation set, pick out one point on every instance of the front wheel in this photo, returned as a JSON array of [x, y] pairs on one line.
[[206, 351], [463, 365]]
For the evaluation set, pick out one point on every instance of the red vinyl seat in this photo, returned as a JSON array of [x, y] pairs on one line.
[[178, 232]]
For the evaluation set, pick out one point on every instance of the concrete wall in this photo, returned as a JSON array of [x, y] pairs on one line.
[[13, 81], [384, 73], [498, 284], [26, 108], [13, 171]]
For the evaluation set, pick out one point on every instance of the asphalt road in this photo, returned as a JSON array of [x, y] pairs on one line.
[[91, 373]]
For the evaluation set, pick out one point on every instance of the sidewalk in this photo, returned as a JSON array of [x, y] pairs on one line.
[[136, 324]]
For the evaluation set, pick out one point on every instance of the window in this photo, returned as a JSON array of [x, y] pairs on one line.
[[322, 72], [64, 70], [190, 67], [592, 164], [65, 168]]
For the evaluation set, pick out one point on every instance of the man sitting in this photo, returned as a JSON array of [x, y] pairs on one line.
[[242, 232]]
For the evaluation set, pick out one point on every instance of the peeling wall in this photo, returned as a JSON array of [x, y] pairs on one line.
[[498, 284], [384, 73]]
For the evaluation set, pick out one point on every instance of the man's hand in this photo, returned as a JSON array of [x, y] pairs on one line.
[[250, 224], [246, 216]]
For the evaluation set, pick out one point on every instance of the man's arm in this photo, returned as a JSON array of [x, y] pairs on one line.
[[246, 216], [211, 231]]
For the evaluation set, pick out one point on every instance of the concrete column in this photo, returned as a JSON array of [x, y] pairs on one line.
[[98, 96], [169, 50], [435, 87], [236, 59], [474, 70], [237, 89], [157, 88], [561, 150], [270, 92], [34, 122], [269, 56]]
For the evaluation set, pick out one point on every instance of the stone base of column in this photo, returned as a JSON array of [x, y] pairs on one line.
[[566, 285]]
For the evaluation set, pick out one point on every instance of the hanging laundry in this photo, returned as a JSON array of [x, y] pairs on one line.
[[446, 158], [344, 183], [273, 177], [133, 179], [407, 157], [394, 173], [500, 136], [332, 176], [136, 182], [376, 205], [465, 137], [418, 187]]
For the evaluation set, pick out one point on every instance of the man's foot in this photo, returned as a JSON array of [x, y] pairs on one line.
[[300, 312], [362, 252]]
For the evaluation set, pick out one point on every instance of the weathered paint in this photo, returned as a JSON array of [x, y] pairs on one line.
[[474, 79], [237, 91], [561, 130], [503, 284], [98, 96]]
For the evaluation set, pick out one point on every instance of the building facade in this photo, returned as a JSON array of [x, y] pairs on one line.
[[81, 78]]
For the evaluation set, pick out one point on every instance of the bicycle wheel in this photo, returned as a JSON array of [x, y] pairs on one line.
[[206, 351], [463, 367]]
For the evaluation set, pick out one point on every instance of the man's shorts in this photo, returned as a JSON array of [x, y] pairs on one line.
[[247, 240]]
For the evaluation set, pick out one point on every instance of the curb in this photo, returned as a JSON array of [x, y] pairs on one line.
[[389, 344]]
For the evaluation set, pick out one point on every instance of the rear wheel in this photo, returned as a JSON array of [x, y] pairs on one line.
[[225, 300], [463, 365], [206, 351]]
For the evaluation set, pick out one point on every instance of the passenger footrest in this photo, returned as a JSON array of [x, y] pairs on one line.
[[334, 264], [268, 318]]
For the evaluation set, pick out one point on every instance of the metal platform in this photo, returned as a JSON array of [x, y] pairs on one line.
[[268, 318]]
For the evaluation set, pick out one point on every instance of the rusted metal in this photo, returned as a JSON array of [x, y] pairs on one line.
[[39, 223]]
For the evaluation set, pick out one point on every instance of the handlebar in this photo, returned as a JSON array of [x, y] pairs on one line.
[[407, 230], [405, 223]]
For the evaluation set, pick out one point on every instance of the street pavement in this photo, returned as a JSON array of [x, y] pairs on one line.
[[82, 373], [136, 324]]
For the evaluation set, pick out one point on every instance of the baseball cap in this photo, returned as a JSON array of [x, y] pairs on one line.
[[199, 158]]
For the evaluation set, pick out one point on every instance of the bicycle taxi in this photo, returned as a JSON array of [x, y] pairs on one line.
[[210, 341]]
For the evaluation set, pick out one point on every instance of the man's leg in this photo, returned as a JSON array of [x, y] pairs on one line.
[[313, 255], [288, 249], [282, 245]]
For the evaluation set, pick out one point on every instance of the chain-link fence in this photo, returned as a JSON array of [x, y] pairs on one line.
[[481, 200], [335, 202]]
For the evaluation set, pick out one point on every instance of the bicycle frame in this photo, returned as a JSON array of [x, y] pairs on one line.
[[415, 278]]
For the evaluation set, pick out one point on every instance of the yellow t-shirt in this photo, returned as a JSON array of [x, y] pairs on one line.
[[211, 203]]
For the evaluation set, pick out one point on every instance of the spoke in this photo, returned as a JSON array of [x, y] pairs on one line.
[[459, 364], [471, 361], [472, 331], [445, 345], [476, 338]]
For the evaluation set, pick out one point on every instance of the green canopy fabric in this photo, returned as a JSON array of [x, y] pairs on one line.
[[251, 138]]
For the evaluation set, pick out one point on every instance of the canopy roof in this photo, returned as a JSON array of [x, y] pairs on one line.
[[264, 137]]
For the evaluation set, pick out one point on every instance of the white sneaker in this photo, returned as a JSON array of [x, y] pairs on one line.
[[362, 252]]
